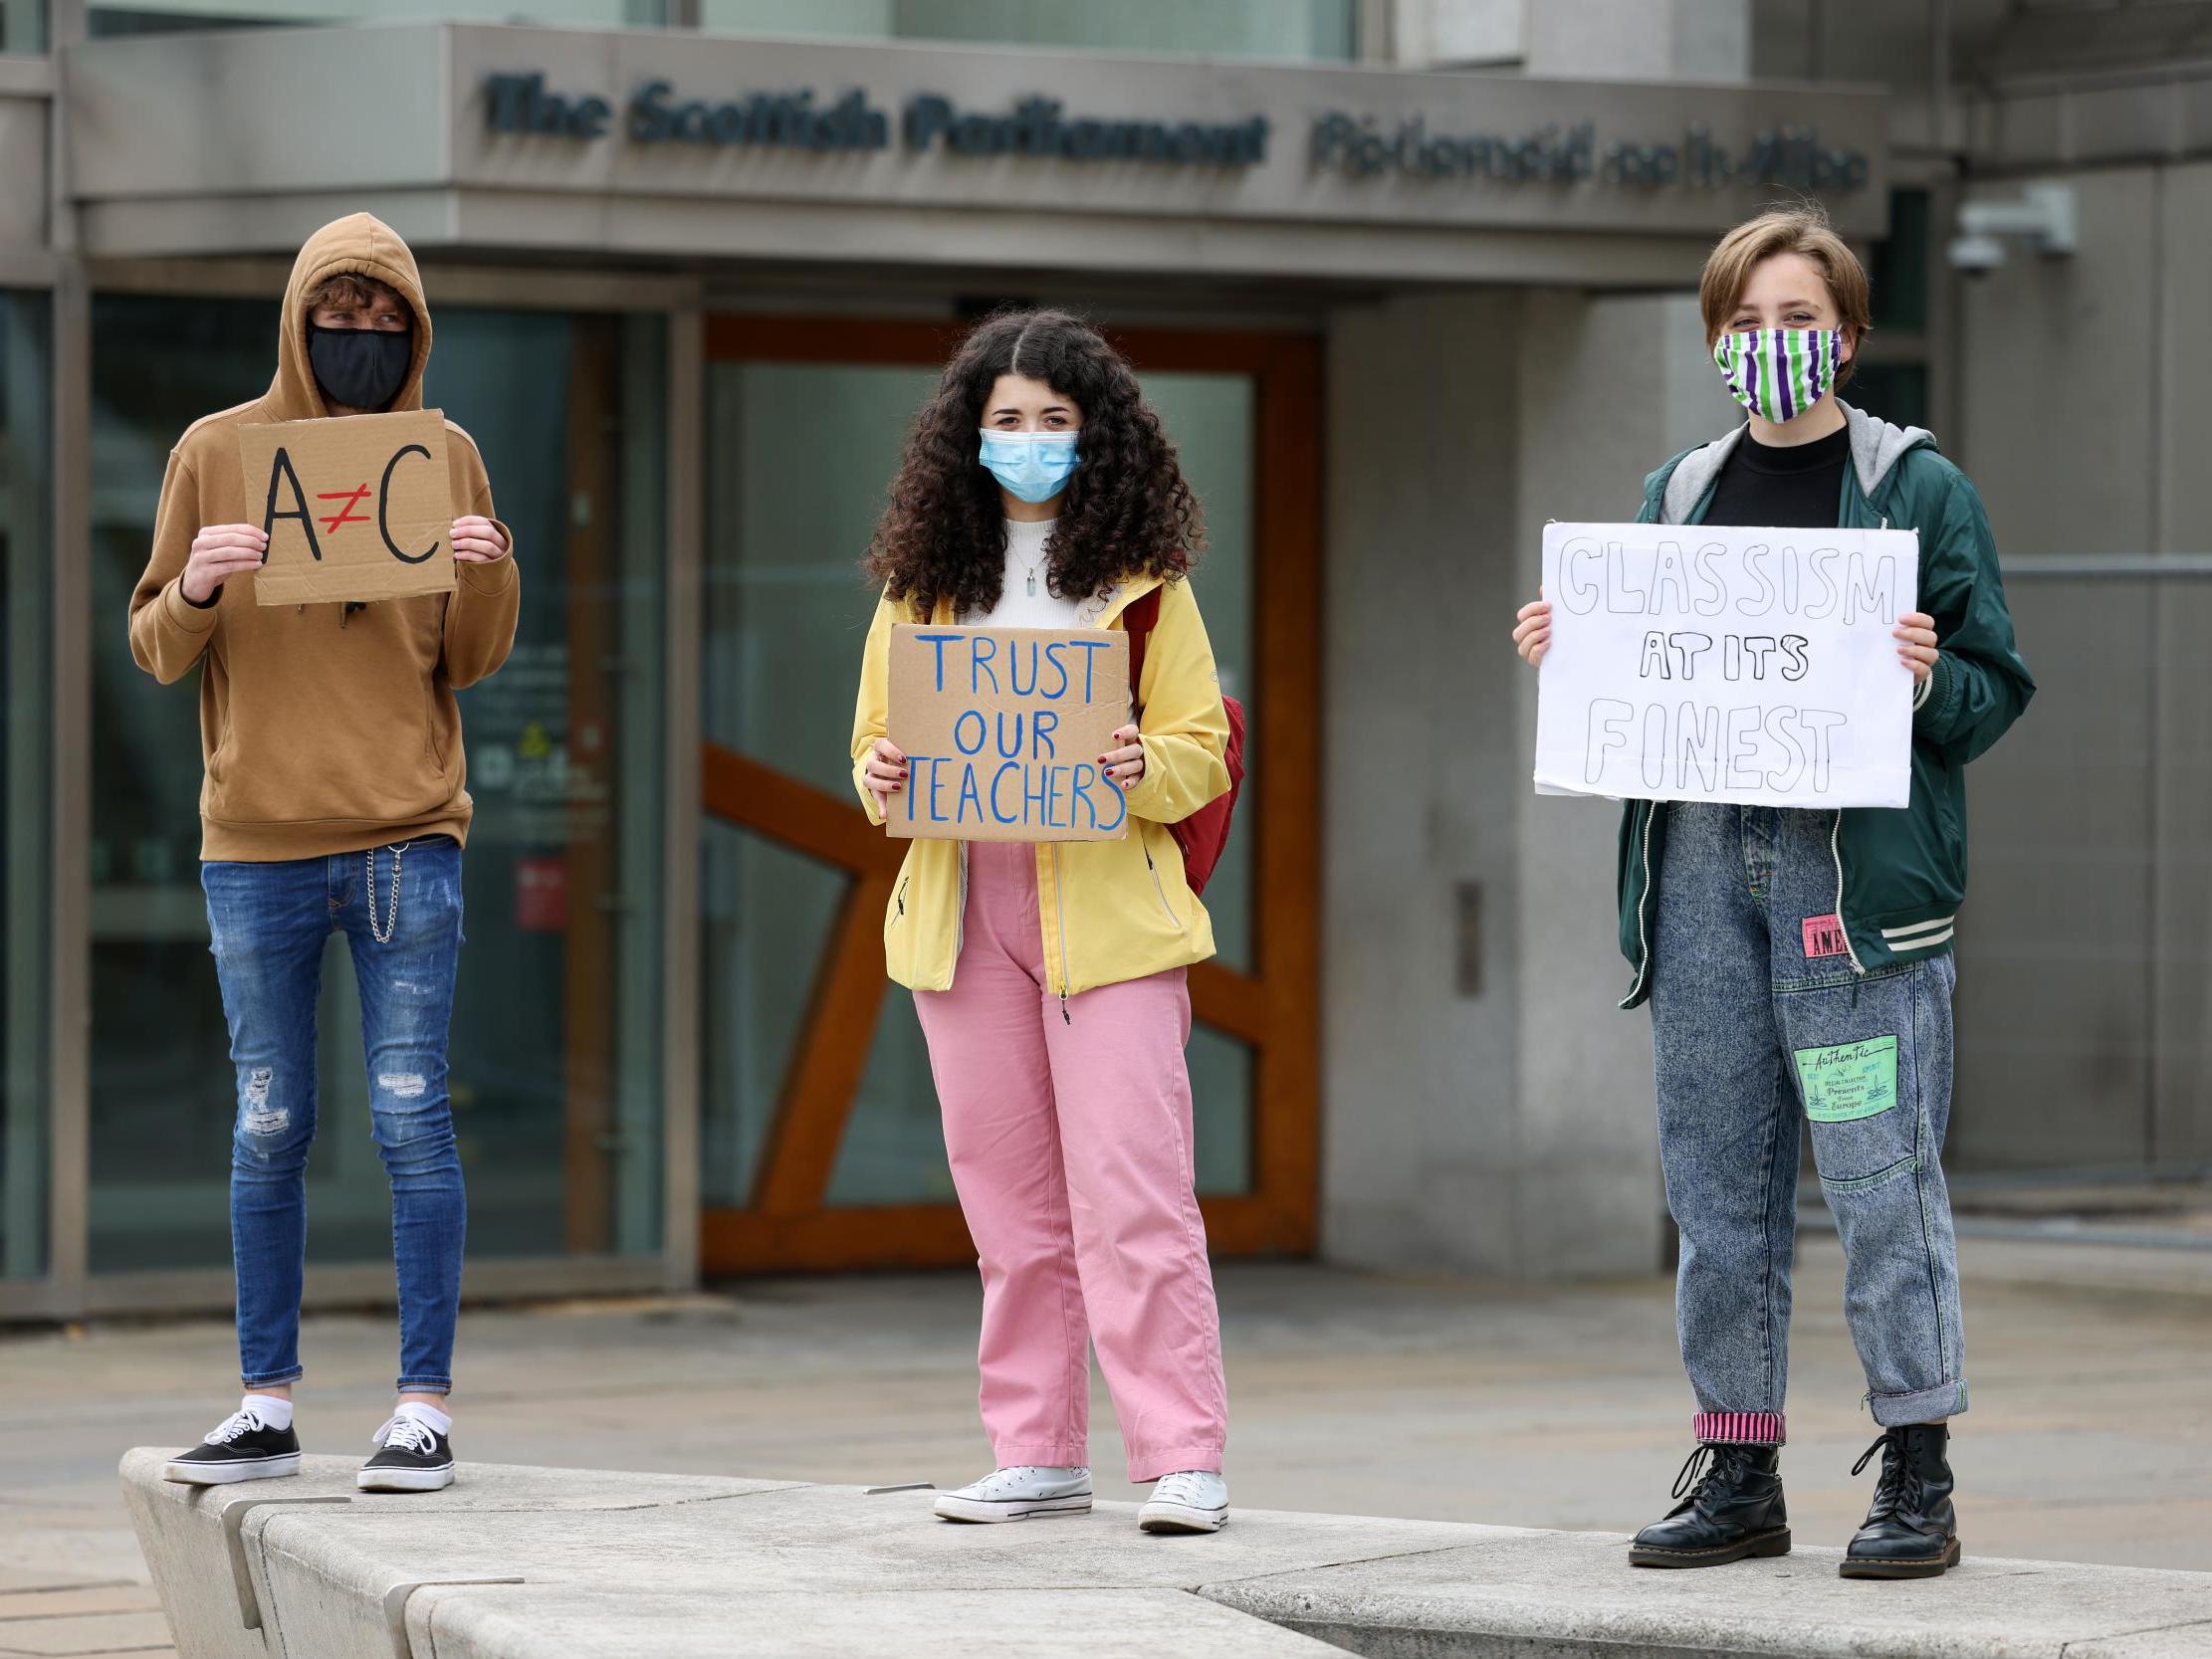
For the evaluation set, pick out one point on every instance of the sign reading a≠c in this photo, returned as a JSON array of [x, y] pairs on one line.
[[355, 508]]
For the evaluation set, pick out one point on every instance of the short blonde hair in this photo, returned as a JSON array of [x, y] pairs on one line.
[[1796, 230]]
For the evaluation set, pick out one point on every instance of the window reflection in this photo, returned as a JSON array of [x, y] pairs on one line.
[[26, 711], [22, 25], [168, 17], [1322, 30]]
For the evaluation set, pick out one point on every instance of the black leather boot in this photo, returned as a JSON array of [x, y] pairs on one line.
[[1733, 1510], [1912, 1532]]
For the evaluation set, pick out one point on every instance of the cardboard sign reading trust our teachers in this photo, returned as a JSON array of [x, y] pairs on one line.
[[356, 506], [1002, 728]]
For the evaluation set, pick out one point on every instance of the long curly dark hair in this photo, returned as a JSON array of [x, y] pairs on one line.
[[1126, 509]]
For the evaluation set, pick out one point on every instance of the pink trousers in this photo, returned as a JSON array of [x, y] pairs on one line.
[[1071, 1146]]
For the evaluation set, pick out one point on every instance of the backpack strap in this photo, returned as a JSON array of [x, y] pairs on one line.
[[1139, 618]]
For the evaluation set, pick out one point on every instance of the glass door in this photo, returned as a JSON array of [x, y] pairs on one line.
[[820, 1144]]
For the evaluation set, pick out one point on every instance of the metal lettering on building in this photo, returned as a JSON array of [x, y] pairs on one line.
[[1356, 147], [1036, 127], [1342, 143]]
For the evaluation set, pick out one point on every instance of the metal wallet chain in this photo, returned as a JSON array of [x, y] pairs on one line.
[[384, 934]]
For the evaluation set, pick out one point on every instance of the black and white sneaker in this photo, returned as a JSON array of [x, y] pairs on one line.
[[411, 1456], [242, 1447]]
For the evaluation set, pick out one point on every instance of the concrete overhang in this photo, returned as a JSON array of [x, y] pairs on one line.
[[665, 144]]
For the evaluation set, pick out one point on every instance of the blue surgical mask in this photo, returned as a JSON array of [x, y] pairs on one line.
[[1029, 466]]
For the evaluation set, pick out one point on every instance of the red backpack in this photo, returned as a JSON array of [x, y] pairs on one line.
[[1203, 834]]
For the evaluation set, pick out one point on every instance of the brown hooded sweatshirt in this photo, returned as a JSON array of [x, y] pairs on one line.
[[324, 730]]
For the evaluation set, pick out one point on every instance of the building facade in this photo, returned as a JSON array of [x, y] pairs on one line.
[[1405, 278]]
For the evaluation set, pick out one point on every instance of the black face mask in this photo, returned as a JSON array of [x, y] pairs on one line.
[[360, 367]]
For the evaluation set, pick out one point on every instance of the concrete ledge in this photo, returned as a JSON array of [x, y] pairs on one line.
[[1547, 1595], [530, 1564]]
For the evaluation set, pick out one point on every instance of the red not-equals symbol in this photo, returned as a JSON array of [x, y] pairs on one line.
[[344, 514]]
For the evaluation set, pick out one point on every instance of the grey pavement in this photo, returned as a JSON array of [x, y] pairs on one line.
[[1551, 1406]]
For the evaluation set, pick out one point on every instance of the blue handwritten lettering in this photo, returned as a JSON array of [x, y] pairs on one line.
[[983, 653], [938, 642], [1090, 649], [1053, 656], [999, 778]]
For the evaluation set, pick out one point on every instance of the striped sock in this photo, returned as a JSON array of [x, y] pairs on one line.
[[1740, 1428]]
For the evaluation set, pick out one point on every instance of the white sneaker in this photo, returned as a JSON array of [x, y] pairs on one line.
[[1021, 1493], [1188, 1501]]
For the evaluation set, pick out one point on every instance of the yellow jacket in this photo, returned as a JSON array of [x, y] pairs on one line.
[[1112, 910]]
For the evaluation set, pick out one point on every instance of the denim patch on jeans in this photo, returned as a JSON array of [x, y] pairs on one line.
[[269, 921], [1759, 1023]]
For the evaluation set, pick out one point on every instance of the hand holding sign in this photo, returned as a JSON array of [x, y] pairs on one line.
[[1918, 646], [355, 508], [885, 770], [1532, 630], [477, 541], [219, 553], [1126, 764]]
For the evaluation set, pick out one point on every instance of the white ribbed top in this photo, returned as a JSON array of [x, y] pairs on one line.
[[1017, 607]]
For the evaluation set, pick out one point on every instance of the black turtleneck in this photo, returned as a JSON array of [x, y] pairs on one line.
[[1801, 486]]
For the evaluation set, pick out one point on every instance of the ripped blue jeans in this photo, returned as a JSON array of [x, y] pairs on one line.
[[269, 922], [1759, 1023]]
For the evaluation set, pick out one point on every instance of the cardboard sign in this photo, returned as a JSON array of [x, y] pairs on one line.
[[1701, 663], [356, 506], [1002, 728]]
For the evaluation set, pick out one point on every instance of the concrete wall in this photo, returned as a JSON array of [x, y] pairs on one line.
[[1503, 1127], [1654, 40], [23, 172], [2086, 975], [1609, 388], [1597, 40], [1420, 1098]]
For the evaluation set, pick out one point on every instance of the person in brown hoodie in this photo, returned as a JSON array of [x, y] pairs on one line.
[[334, 799]]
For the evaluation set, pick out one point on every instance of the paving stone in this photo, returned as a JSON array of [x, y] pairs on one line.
[[51, 1638]]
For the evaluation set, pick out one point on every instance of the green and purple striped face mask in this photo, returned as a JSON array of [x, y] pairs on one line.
[[1779, 372]]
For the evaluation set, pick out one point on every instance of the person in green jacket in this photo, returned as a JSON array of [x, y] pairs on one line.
[[1773, 943]]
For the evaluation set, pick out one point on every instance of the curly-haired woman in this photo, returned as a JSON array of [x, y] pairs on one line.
[[1038, 491]]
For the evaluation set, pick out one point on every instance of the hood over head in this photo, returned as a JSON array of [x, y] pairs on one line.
[[365, 245]]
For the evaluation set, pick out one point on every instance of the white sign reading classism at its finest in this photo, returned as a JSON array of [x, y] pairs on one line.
[[1702, 663]]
